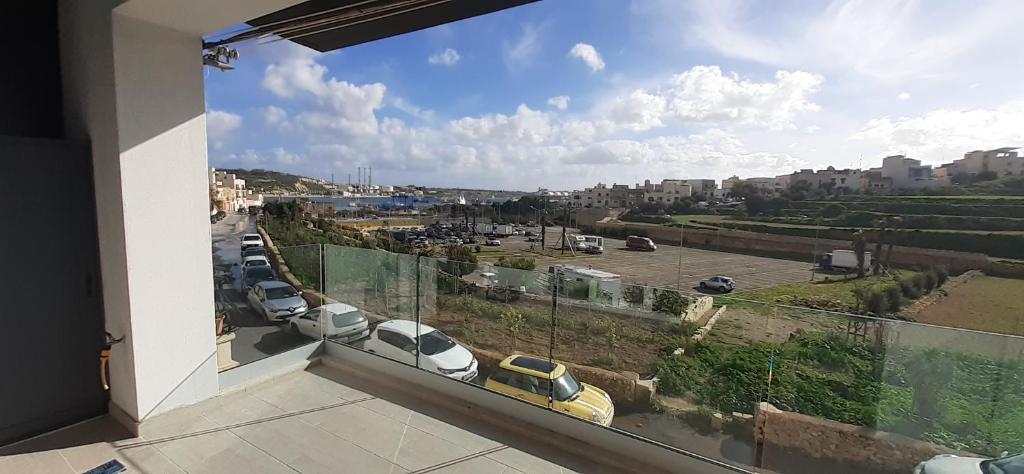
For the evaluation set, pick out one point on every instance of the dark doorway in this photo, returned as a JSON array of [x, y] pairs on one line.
[[50, 300]]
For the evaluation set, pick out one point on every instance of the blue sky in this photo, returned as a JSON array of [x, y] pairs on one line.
[[565, 93]]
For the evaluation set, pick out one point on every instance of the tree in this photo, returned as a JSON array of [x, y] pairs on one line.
[[743, 190], [514, 322], [859, 248], [519, 263], [798, 190], [832, 210], [461, 260], [886, 232]]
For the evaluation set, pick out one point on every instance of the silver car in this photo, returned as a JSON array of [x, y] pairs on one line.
[[276, 300], [950, 464]]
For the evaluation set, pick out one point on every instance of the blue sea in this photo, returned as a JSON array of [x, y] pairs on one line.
[[371, 202]]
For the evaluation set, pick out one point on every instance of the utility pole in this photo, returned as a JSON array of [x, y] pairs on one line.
[[565, 215], [543, 224]]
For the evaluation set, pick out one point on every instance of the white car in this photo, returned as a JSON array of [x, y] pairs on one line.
[[952, 464], [718, 283], [276, 300], [251, 240], [396, 339], [254, 261], [492, 242], [337, 321]]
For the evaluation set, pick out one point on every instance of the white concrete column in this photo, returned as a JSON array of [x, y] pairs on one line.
[[135, 89]]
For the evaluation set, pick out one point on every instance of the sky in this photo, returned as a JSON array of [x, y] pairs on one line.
[[562, 94]]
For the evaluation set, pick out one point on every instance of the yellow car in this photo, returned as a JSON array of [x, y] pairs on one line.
[[530, 378]]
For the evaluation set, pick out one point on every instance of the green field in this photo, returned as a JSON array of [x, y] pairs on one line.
[[839, 288], [984, 303]]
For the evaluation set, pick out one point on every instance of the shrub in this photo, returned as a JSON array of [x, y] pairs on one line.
[[892, 295], [918, 281], [633, 294], [876, 302], [519, 263], [832, 210], [941, 274], [908, 288], [929, 280], [669, 302], [514, 322]]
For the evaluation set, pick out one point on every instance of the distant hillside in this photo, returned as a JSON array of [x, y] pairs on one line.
[[267, 181]]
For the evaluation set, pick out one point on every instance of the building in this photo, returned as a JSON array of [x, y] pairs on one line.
[[906, 173], [597, 196], [229, 193], [831, 180], [1001, 161], [701, 187], [666, 192]]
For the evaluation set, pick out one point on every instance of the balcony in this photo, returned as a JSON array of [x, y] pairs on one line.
[[321, 419]]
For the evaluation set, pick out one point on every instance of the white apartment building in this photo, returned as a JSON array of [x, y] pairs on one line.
[[837, 180]]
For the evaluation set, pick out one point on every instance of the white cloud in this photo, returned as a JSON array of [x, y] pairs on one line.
[[903, 96], [336, 105], [944, 134], [813, 129], [560, 102], [521, 52], [283, 157], [589, 55], [704, 94], [448, 57], [219, 125], [886, 40], [274, 116], [425, 115]]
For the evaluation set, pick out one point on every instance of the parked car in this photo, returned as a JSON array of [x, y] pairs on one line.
[[276, 300], [531, 378], [530, 233], [255, 274], [593, 249], [338, 321], [952, 464], [492, 242], [396, 339], [533, 239], [254, 261], [251, 251], [251, 240], [723, 284], [634, 242]]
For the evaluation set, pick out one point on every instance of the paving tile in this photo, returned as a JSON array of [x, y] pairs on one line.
[[310, 449], [238, 407], [177, 422], [45, 462], [458, 436], [526, 462], [419, 450], [148, 460], [219, 452], [85, 457], [293, 395], [388, 409], [369, 430], [476, 465]]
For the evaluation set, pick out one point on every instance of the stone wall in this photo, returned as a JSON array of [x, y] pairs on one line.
[[697, 308], [788, 246], [706, 328], [877, 451]]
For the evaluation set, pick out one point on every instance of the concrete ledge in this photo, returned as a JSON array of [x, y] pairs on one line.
[[269, 367]]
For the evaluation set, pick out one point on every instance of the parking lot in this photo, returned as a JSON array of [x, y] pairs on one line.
[[667, 266]]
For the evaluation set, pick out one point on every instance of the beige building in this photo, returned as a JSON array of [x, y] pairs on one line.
[[906, 173], [1001, 161], [666, 192]]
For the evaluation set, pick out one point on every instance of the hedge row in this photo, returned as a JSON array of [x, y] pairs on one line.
[[910, 221], [923, 208], [995, 245]]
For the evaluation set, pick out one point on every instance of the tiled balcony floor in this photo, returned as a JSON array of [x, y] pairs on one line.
[[318, 420]]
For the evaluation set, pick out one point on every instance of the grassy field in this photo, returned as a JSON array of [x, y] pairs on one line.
[[839, 288], [984, 303]]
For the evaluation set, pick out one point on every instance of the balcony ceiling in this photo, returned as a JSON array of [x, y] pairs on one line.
[[326, 25]]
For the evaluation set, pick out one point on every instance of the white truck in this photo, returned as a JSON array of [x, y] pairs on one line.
[[502, 230], [844, 259]]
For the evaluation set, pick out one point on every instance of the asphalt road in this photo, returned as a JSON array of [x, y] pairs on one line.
[[255, 338]]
